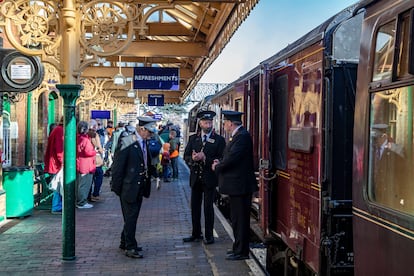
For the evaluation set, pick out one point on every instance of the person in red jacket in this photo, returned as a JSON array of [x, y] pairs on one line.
[[54, 162], [85, 165]]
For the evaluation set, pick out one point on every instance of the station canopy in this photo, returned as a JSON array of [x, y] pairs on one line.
[[188, 35], [117, 36]]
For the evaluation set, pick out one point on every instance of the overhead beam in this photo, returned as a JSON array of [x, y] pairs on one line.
[[168, 29], [185, 1], [110, 86], [166, 48], [170, 97], [109, 72]]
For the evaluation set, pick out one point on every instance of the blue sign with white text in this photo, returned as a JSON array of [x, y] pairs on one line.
[[155, 100], [159, 78], [100, 114]]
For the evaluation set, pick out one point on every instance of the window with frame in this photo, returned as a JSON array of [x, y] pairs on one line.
[[391, 149], [391, 154], [384, 52]]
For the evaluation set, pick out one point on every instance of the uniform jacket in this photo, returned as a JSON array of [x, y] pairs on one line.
[[85, 154], [236, 171], [391, 167], [54, 151], [213, 149], [128, 169]]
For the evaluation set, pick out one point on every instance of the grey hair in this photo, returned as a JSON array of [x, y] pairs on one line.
[[82, 127], [93, 124]]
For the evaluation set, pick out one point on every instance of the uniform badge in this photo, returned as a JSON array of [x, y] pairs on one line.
[[210, 140]]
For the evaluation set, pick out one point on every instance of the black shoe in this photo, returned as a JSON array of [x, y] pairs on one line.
[[193, 239], [230, 252], [133, 253], [122, 247], [208, 241], [236, 257]]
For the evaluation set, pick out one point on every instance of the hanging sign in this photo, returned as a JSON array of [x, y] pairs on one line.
[[155, 100], [158, 78]]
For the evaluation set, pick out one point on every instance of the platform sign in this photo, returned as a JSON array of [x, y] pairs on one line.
[[157, 116], [159, 78], [155, 100], [100, 114]]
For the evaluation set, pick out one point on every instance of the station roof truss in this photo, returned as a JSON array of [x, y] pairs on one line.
[[116, 36]]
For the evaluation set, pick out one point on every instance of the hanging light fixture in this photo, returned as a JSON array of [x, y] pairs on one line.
[[119, 79], [131, 92]]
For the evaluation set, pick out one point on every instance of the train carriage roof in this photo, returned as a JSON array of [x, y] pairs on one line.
[[314, 35]]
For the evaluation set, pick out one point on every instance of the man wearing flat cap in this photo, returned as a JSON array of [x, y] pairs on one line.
[[130, 179], [202, 148], [236, 179], [389, 166]]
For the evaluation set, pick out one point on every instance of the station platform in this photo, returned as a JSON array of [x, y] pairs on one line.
[[33, 245]]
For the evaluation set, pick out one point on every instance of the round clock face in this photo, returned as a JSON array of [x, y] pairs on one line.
[[21, 72]]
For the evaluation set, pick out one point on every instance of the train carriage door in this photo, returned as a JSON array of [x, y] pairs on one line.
[[280, 83], [252, 120]]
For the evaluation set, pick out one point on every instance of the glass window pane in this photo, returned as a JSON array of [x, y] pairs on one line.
[[391, 149], [402, 68], [346, 39], [384, 50]]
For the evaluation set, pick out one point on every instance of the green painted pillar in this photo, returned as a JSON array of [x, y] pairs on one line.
[[69, 93], [28, 148]]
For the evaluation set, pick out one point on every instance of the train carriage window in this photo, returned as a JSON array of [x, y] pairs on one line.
[[384, 52], [403, 42], [391, 153], [279, 92], [346, 39]]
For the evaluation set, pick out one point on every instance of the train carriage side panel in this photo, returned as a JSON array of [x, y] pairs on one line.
[[311, 198], [297, 192], [383, 198]]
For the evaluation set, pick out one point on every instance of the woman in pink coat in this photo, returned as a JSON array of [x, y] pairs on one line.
[[85, 165]]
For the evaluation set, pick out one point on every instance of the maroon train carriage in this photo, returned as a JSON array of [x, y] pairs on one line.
[[383, 187], [298, 107], [324, 197], [310, 87]]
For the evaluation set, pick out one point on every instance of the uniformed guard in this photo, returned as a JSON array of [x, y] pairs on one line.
[[130, 179], [202, 148], [237, 180]]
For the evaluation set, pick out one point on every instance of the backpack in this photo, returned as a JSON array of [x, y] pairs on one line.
[[154, 147]]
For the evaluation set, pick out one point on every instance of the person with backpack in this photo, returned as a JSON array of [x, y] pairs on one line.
[[154, 147], [165, 162], [174, 152]]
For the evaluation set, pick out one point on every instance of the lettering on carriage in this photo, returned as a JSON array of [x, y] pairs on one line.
[[300, 169]]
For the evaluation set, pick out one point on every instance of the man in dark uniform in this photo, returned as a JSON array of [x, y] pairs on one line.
[[237, 180], [390, 168], [130, 177], [202, 148]]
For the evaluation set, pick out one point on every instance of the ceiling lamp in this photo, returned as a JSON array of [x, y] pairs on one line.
[[131, 92], [119, 79]]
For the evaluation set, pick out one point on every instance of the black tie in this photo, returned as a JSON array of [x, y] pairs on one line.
[[205, 138], [144, 152]]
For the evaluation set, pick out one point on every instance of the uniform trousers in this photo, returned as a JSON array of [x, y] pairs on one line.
[[199, 193], [130, 212], [240, 222]]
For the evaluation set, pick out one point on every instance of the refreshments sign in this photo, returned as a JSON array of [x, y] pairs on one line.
[[156, 78]]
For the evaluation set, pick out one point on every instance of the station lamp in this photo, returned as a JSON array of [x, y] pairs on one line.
[[119, 79]]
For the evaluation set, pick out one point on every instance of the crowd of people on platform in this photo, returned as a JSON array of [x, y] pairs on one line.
[[134, 153], [96, 145]]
